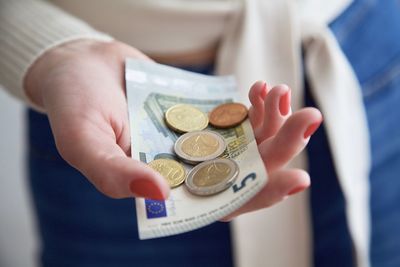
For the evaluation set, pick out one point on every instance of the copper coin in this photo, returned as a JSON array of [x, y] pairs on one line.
[[228, 115]]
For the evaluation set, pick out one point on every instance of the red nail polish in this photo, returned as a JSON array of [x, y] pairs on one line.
[[147, 189], [284, 103], [296, 190], [311, 129], [264, 90]]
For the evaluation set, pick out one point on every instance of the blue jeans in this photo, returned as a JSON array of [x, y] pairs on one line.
[[369, 34], [80, 227]]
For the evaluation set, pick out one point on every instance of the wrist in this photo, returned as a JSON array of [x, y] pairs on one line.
[[50, 64]]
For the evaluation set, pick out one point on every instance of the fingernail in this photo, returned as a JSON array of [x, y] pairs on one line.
[[147, 189], [284, 103], [296, 190], [263, 90], [311, 129]]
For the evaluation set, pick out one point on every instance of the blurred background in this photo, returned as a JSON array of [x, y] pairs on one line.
[[18, 242]]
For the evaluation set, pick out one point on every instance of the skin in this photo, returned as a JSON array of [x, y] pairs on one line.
[[80, 86]]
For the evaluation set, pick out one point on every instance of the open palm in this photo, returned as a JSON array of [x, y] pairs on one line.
[[80, 85]]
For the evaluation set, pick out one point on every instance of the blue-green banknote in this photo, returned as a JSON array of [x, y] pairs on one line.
[[151, 89]]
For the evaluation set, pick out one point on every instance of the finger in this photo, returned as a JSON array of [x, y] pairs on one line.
[[291, 138], [122, 133], [281, 184], [93, 150], [257, 94], [277, 110]]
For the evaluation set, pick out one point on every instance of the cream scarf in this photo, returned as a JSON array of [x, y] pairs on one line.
[[264, 41]]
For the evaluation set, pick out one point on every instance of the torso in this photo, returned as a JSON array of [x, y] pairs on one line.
[[177, 32]]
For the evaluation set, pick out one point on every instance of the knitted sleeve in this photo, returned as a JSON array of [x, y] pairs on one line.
[[28, 28]]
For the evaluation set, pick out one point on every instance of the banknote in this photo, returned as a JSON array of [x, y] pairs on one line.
[[151, 89]]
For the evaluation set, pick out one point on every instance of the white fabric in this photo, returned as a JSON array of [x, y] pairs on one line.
[[273, 52], [259, 39], [25, 34], [157, 26], [334, 85]]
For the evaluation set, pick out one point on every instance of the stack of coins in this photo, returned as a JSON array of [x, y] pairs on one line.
[[202, 148]]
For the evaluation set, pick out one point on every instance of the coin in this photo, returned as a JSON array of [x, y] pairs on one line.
[[184, 118], [228, 115], [211, 177], [171, 170], [199, 146]]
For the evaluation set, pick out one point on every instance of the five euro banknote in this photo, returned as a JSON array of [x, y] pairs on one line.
[[151, 90]]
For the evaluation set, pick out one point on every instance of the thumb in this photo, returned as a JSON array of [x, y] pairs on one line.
[[120, 177], [97, 156]]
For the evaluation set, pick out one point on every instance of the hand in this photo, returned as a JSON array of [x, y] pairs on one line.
[[81, 87], [280, 136]]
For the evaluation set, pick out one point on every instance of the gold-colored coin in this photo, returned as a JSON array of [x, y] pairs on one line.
[[185, 118], [171, 170], [199, 146], [211, 177]]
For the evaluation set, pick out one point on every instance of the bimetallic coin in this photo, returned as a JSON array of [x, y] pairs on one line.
[[212, 177], [228, 115], [199, 146], [184, 118], [171, 170]]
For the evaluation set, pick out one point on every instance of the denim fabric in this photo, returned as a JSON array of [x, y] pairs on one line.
[[80, 227], [369, 34]]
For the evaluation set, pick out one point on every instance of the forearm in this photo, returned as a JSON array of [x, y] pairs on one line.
[[28, 28]]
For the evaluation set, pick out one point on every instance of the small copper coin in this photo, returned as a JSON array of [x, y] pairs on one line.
[[228, 115]]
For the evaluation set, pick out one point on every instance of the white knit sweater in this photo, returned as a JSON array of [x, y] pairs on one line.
[[28, 29]]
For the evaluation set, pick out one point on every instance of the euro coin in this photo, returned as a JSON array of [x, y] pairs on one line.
[[212, 177], [228, 115], [171, 170], [199, 146], [184, 118]]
